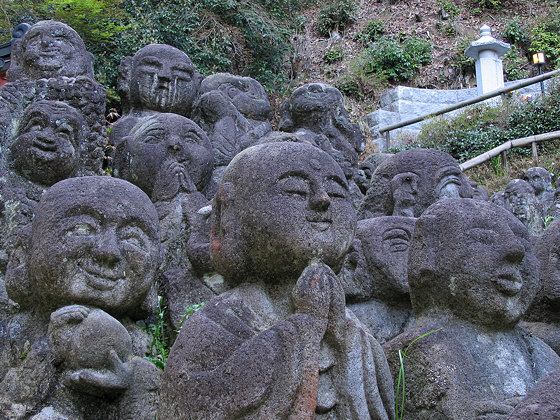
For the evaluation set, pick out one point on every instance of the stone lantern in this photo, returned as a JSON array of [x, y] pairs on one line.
[[489, 68]]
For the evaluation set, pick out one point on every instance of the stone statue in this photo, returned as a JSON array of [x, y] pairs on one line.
[[543, 317], [281, 343], [170, 158], [472, 277], [542, 402], [158, 78], [407, 183], [520, 199], [315, 112], [235, 112], [49, 49], [541, 181], [367, 167], [82, 275], [479, 193], [375, 277]]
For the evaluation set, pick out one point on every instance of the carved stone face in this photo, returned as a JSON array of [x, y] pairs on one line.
[[384, 245], [45, 149], [484, 268], [290, 204], [94, 242], [437, 176], [51, 49], [519, 198], [314, 97], [405, 188], [539, 178], [163, 79], [167, 142], [246, 94]]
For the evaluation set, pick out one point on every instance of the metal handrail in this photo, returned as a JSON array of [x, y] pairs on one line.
[[489, 95]]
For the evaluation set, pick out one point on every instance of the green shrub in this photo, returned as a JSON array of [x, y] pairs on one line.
[[333, 55], [482, 127], [516, 32], [371, 32], [545, 37], [397, 60], [515, 65], [338, 14]]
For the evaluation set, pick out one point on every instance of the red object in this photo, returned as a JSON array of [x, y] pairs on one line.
[[3, 79]]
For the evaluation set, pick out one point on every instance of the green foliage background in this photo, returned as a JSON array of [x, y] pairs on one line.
[[239, 36]]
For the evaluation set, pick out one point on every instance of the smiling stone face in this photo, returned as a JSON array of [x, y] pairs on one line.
[[50, 49], [94, 242], [281, 206], [45, 149], [481, 263]]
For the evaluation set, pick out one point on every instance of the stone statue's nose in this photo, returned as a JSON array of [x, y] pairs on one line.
[[320, 200]]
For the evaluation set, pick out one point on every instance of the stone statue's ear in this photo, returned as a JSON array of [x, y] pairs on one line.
[[149, 305], [123, 82], [15, 70], [120, 159], [286, 123], [18, 283]]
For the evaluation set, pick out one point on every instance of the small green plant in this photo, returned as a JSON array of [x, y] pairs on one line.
[[400, 390], [159, 349], [338, 14], [497, 166], [451, 8], [160, 332], [371, 32], [333, 55], [547, 220], [189, 310], [516, 32], [397, 60], [489, 4]]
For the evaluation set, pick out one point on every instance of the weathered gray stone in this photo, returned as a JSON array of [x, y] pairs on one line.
[[543, 318], [375, 278], [410, 181], [279, 344], [542, 402], [235, 112], [472, 277], [158, 78], [519, 199], [49, 49], [81, 275]]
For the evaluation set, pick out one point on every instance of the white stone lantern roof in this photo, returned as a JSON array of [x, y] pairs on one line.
[[485, 43]]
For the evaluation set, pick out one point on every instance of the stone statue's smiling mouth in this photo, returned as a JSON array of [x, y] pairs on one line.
[[99, 277], [320, 224]]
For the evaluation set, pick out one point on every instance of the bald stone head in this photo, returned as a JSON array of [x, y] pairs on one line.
[[539, 178], [165, 142], [547, 249], [380, 268], [50, 49], [95, 242], [407, 183], [280, 207], [159, 78], [472, 260]]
